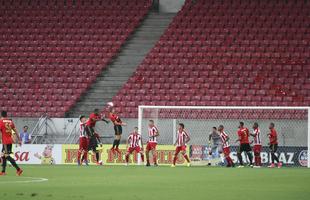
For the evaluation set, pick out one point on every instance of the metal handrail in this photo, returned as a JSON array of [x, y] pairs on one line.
[[37, 128], [72, 132]]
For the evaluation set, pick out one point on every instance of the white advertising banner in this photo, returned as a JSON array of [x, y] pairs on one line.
[[38, 154]]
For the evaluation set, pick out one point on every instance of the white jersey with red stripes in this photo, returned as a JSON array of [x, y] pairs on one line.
[[82, 130], [134, 140], [181, 138], [153, 131], [224, 138], [257, 140]]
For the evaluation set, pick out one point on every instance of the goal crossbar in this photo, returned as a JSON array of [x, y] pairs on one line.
[[228, 107]]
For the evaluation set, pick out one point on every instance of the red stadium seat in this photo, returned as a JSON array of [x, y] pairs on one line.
[[47, 59], [214, 57]]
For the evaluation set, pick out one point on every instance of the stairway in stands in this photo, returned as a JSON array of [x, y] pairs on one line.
[[124, 65]]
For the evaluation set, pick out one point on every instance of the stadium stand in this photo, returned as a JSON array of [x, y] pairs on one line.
[[226, 53], [51, 50], [122, 66]]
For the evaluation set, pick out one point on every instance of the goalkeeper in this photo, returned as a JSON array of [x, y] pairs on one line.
[[214, 145]]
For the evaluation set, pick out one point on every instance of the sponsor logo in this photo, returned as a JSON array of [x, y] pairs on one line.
[[21, 156], [290, 156], [303, 158], [164, 154]]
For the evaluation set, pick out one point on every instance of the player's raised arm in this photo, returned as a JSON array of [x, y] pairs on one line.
[[106, 121]]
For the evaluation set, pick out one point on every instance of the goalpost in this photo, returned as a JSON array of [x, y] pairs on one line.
[[291, 123]]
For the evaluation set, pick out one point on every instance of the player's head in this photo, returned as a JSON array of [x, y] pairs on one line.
[[135, 129], [255, 125], [112, 110], [96, 111], [25, 128], [181, 126], [271, 125], [4, 113], [214, 129], [151, 122], [82, 118], [221, 128], [241, 124]]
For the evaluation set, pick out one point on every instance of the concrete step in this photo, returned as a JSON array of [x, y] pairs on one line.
[[113, 78], [99, 98], [103, 94], [120, 69], [99, 103], [101, 91], [124, 65], [111, 83], [113, 75]]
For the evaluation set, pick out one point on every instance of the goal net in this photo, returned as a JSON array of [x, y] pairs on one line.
[[291, 124]]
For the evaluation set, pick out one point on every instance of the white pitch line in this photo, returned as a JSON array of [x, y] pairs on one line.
[[33, 180]]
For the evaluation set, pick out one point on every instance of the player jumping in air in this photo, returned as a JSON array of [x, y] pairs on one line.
[[273, 146], [152, 143], [226, 147], [214, 137], [90, 131], [118, 130], [243, 138], [182, 139], [133, 144], [83, 143], [257, 145], [8, 129]]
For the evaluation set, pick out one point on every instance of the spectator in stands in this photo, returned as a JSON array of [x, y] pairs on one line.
[[25, 136]]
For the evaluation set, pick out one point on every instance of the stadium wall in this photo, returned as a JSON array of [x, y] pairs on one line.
[[58, 126], [291, 132]]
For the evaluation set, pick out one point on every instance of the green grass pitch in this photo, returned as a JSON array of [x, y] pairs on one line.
[[138, 182]]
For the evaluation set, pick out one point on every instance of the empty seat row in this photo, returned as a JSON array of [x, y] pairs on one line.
[[51, 51], [226, 53]]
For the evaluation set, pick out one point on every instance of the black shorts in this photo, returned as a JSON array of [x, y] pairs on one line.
[[93, 144], [7, 148], [273, 148], [244, 147], [118, 129]]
